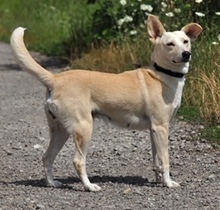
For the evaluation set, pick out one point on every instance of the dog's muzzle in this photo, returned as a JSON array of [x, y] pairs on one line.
[[186, 56]]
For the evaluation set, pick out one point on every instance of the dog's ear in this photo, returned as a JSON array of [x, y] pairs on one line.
[[154, 27], [192, 30]]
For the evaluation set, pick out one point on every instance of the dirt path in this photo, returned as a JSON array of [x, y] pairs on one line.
[[118, 160]]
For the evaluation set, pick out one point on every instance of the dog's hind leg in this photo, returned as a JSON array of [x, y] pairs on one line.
[[82, 136], [159, 135], [58, 137]]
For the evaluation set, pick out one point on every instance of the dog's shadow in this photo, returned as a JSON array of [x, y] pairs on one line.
[[128, 180]]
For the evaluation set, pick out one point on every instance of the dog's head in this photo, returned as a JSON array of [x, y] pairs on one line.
[[172, 50]]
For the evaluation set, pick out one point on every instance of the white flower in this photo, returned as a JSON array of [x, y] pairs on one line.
[[177, 10], [200, 14], [147, 7], [120, 22], [169, 14], [163, 4], [128, 18], [133, 32], [217, 13], [123, 2], [198, 1], [215, 43]]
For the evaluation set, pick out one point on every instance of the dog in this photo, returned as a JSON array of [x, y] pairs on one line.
[[145, 98]]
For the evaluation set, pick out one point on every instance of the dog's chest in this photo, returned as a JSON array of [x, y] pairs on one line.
[[178, 95]]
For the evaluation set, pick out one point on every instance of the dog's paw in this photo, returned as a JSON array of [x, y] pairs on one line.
[[158, 176], [55, 184], [92, 188], [171, 183]]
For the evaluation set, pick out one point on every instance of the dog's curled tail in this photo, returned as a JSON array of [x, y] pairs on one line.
[[26, 61]]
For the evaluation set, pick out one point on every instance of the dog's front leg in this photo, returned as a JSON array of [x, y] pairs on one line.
[[159, 138], [156, 163]]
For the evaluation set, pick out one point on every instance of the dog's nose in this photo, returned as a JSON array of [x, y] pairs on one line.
[[185, 56]]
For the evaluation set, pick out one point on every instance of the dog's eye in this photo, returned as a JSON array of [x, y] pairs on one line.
[[170, 44], [185, 41]]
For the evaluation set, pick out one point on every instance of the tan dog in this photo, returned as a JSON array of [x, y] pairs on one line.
[[139, 99]]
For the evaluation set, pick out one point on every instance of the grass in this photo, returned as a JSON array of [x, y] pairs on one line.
[[202, 86], [65, 28], [115, 57], [211, 133], [48, 22], [201, 97]]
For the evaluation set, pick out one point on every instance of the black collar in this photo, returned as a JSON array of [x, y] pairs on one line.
[[168, 72]]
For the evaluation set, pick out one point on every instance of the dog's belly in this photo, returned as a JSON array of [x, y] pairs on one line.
[[127, 121]]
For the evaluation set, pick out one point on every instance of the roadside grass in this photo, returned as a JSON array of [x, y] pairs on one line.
[[106, 59], [202, 86], [211, 133], [116, 58], [201, 96], [48, 22]]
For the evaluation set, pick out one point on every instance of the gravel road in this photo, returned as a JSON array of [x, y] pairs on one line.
[[118, 160]]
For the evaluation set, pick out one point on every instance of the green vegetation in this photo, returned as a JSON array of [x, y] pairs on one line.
[[212, 133], [110, 35], [50, 23]]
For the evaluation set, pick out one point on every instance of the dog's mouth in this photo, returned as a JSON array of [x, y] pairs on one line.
[[186, 55], [182, 61]]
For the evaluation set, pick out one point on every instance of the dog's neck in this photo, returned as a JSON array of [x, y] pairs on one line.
[[168, 72], [161, 61]]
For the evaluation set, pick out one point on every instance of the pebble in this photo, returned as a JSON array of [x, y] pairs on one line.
[[127, 191], [40, 206]]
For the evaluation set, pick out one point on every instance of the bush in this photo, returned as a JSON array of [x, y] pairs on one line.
[[112, 20]]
